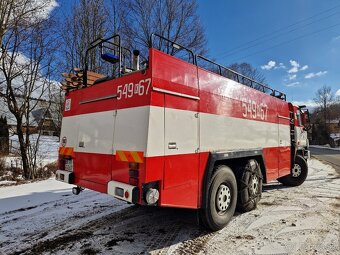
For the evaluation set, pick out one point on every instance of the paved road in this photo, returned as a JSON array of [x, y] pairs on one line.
[[329, 156]]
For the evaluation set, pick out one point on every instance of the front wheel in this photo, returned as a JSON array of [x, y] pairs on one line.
[[297, 175], [221, 200]]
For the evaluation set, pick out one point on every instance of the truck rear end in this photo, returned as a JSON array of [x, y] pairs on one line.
[[103, 137], [105, 130]]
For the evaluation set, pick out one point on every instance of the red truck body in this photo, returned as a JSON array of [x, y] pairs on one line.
[[165, 127]]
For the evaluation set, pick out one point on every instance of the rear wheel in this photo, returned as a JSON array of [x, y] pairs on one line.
[[297, 175], [249, 186], [221, 200]]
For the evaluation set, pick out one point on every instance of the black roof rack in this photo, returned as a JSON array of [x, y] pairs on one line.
[[240, 78], [221, 70]]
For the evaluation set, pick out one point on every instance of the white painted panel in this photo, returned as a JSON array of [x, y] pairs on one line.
[[131, 129], [155, 144], [181, 131], [284, 135], [69, 129], [142, 129], [301, 137], [227, 133], [95, 130]]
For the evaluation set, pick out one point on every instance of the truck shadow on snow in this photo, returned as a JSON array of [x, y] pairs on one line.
[[133, 230]]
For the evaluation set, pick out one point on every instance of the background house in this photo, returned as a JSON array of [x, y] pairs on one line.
[[41, 119]]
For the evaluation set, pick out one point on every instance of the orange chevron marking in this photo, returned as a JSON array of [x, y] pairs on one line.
[[130, 156], [66, 151]]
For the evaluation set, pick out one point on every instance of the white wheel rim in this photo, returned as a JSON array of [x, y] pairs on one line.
[[254, 184], [296, 171], [223, 198]]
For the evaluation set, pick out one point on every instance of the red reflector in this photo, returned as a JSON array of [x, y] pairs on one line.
[[126, 194], [61, 163], [133, 181]]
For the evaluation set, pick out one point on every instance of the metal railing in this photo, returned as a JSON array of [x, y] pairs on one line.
[[240, 78], [172, 48]]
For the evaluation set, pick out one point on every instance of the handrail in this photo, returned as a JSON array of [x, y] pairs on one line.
[[174, 44], [93, 45], [241, 78]]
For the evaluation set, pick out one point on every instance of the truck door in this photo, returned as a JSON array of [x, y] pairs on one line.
[[284, 139], [181, 151], [95, 140]]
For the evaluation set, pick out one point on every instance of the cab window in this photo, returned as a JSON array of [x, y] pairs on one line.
[[298, 117]]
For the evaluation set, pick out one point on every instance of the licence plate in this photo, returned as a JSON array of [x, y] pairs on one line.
[[69, 165], [119, 192]]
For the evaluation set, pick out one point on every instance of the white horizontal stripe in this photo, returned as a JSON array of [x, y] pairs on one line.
[[227, 133], [150, 129]]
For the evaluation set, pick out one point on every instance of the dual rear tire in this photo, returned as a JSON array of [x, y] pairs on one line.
[[221, 199], [223, 196]]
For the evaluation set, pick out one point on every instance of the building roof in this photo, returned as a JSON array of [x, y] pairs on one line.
[[35, 115]]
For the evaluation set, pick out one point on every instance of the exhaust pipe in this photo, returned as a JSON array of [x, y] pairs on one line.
[[77, 190], [135, 60]]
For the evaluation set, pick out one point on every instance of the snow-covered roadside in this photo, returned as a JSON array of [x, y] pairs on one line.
[[325, 147], [47, 152], [44, 217]]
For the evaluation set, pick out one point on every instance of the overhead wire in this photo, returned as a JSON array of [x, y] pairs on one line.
[[271, 34], [274, 37], [292, 40]]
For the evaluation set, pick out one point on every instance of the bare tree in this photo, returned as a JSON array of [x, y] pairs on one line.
[[173, 19], [324, 98], [134, 20], [248, 70], [25, 65], [87, 22]]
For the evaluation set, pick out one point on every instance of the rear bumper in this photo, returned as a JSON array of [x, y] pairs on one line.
[[123, 191], [65, 176]]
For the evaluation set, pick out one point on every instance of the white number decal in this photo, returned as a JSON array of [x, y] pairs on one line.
[[253, 110], [119, 92], [130, 89]]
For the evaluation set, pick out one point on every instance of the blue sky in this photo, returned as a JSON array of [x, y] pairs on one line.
[[274, 32], [302, 37]]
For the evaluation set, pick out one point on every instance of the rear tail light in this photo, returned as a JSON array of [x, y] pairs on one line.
[[61, 163], [133, 173], [133, 166], [133, 181]]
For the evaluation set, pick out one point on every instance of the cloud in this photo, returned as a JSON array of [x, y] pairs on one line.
[[305, 67], [35, 10], [271, 64], [291, 76], [336, 38], [318, 74], [295, 66], [294, 84], [280, 66], [309, 103], [337, 93]]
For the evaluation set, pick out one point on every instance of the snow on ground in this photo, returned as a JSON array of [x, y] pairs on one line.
[[45, 217], [325, 147], [47, 152]]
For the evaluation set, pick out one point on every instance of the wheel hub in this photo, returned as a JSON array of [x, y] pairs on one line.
[[296, 171], [254, 184], [223, 198]]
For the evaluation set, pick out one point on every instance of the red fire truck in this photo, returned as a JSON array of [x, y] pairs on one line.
[[180, 132]]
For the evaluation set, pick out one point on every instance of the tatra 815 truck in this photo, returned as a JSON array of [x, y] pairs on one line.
[[179, 130]]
